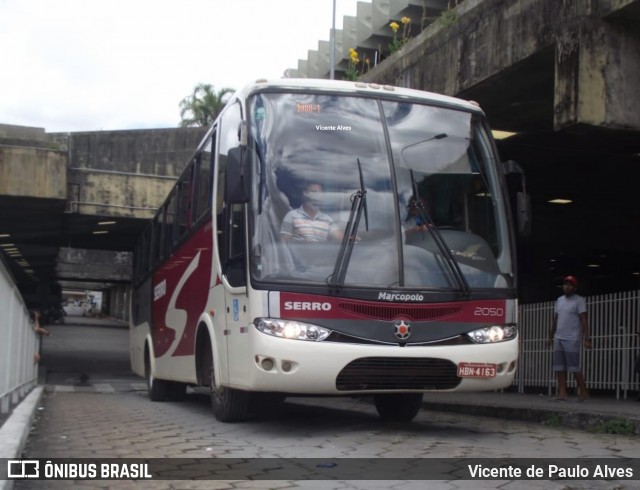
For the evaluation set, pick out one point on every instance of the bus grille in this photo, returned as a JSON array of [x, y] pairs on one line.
[[392, 373], [415, 313]]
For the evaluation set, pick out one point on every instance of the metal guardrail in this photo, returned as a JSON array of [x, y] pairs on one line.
[[18, 369], [614, 324]]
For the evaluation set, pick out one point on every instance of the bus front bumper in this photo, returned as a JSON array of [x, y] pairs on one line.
[[321, 368]]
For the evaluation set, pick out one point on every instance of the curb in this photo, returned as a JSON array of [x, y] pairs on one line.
[[15, 431], [577, 420]]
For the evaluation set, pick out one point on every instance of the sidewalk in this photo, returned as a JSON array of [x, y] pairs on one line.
[[600, 414]]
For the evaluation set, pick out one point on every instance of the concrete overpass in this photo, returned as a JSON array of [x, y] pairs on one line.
[[561, 76], [72, 205]]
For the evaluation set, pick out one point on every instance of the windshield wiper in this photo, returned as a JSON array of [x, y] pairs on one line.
[[437, 237], [358, 205]]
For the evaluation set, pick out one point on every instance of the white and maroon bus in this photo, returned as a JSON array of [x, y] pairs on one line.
[[418, 295]]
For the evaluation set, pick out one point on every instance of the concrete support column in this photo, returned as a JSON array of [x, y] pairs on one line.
[[597, 69]]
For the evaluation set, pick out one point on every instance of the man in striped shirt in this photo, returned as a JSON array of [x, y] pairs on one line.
[[307, 223]]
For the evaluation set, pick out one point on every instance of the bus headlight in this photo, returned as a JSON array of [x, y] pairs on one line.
[[495, 333], [287, 329]]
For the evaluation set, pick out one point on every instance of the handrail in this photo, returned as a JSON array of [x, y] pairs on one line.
[[18, 366]]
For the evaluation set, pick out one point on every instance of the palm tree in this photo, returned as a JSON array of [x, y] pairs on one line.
[[203, 106]]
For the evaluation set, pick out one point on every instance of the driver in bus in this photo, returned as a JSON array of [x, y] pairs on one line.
[[415, 221], [307, 223]]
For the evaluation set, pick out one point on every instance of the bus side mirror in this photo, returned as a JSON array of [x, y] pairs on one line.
[[237, 177], [523, 200]]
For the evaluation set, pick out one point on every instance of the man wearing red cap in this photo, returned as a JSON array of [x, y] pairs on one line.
[[568, 330]]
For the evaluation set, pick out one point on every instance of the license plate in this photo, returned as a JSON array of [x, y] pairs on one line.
[[476, 370]]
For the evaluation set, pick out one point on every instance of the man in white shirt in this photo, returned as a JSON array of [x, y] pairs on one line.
[[569, 329]]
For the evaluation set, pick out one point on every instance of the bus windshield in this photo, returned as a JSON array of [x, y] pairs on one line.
[[361, 192]]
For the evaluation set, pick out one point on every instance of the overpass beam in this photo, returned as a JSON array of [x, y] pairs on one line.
[[85, 265], [596, 76]]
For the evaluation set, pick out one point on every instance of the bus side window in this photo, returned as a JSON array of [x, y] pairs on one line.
[[156, 238], [230, 219], [142, 257], [169, 223], [203, 168], [184, 200]]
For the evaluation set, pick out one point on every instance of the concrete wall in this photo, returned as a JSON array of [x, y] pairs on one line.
[[595, 42], [33, 172], [94, 265], [125, 173], [596, 76]]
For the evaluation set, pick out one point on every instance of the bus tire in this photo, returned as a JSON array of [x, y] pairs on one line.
[[176, 391], [398, 407], [229, 405], [158, 389]]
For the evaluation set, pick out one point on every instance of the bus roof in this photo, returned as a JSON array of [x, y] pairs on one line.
[[354, 87]]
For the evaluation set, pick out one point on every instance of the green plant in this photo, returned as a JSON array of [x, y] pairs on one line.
[[449, 16], [397, 42], [617, 425], [203, 106], [352, 72], [553, 420]]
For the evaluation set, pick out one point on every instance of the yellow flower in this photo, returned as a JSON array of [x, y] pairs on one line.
[[394, 26], [405, 20]]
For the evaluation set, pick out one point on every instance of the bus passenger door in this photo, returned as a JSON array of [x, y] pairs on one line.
[[237, 312]]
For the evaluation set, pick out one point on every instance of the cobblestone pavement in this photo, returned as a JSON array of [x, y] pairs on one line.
[[128, 425]]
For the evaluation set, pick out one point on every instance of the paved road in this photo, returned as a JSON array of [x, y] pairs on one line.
[[94, 407]]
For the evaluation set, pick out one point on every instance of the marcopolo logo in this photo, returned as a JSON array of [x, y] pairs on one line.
[[402, 330], [383, 295], [306, 306]]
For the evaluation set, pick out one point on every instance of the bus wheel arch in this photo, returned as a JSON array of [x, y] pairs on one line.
[[228, 404], [204, 356], [158, 389]]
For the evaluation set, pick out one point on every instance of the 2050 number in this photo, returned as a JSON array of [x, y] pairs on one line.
[[488, 311]]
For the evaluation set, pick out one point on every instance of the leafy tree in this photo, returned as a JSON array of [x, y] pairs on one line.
[[203, 106]]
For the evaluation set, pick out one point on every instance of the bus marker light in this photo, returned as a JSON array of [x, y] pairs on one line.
[[286, 366], [267, 364]]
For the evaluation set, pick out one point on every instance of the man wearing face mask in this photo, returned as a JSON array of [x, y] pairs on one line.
[[307, 223]]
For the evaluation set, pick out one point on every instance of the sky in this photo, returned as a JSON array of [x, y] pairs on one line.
[[91, 65]]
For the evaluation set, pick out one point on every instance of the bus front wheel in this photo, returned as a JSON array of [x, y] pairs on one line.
[[228, 404], [398, 407]]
